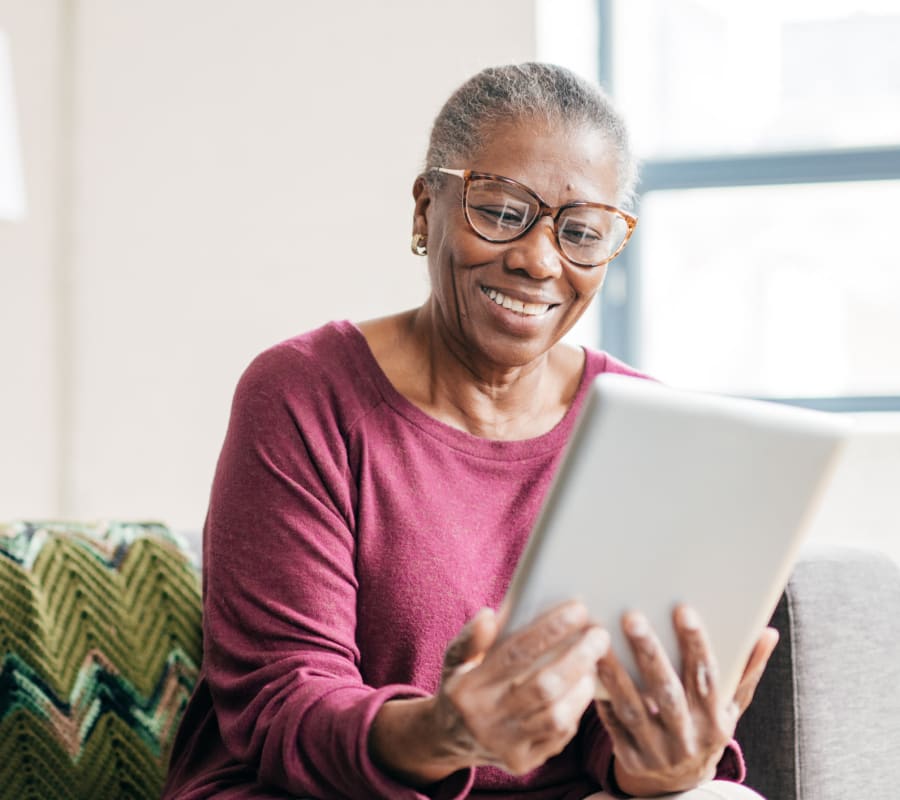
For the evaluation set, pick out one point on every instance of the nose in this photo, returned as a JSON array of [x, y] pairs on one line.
[[536, 252]]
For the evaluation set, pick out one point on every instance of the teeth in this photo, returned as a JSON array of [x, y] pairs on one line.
[[528, 309]]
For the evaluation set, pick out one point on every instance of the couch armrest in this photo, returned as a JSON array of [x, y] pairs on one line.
[[825, 722]]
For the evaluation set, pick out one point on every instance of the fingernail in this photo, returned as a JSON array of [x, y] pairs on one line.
[[651, 706], [573, 613], [473, 621], [690, 619], [636, 625]]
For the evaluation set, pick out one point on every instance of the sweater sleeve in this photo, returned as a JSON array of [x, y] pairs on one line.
[[597, 757], [280, 654]]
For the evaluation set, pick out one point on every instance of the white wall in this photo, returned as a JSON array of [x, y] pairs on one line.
[[241, 172]]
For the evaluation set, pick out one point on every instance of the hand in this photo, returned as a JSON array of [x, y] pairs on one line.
[[670, 737], [516, 703], [511, 704]]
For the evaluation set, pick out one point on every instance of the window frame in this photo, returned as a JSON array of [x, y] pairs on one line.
[[619, 302]]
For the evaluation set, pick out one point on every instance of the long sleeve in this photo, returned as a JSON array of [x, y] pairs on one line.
[[280, 598]]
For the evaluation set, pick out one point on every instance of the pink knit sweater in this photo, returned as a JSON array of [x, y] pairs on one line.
[[349, 538]]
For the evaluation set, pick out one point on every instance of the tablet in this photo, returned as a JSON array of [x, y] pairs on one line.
[[666, 496]]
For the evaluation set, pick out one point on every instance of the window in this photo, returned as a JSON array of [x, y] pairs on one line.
[[765, 261]]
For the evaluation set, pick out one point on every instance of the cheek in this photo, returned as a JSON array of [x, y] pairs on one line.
[[456, 262], [586, 285], [448, 280]]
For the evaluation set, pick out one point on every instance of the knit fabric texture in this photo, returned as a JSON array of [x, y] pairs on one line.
[[100, 640]]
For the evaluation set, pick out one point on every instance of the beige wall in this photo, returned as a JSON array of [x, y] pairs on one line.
[[241, 171], [186, 163], [29, 380], [863, 504]]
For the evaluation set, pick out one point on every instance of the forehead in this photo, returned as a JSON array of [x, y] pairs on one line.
[[560, 163]]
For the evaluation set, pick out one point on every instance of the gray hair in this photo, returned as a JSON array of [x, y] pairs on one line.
[[532, 90]]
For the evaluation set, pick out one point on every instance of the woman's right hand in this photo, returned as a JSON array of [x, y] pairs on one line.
[[511, 704]]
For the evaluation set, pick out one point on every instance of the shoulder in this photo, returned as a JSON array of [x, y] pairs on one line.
[[326, 368], [599, 361]]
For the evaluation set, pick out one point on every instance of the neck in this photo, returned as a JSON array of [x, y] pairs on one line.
[[483, 398]]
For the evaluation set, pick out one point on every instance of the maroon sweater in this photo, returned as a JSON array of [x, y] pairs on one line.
[[349, 538]]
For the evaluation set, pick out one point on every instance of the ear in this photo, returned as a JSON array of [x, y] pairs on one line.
[[422, 196]]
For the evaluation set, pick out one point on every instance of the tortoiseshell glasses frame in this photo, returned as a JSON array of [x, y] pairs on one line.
[[570, 247]]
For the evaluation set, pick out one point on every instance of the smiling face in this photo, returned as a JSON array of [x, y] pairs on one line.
[[503, 306]]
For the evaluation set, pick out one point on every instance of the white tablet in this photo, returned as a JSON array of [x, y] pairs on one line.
[[667, 496]]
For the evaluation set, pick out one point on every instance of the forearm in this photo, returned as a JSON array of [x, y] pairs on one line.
[[407, 740]]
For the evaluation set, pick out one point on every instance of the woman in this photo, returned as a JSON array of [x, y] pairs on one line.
[[376, 489]]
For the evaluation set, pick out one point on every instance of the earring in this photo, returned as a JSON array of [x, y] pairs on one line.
[[419, 244]]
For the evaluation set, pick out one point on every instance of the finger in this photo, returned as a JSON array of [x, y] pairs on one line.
[[553, 677], [756, 665], [528, 755], [472, 642], [520, 650], [662, 687], [560, 718], [624, 699], [624, 745], [552, 729], [699, 670]]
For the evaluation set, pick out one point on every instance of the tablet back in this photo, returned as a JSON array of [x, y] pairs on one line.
[[667, 496]]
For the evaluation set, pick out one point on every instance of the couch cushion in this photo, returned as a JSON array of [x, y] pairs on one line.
[[100, 645], [823, 724]]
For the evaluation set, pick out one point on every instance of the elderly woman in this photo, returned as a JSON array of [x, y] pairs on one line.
[[377, 486]]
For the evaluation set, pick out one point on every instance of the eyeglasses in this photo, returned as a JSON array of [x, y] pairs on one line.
[[500, 209]]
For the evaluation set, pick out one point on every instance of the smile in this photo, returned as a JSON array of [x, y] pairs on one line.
[[509, 303]]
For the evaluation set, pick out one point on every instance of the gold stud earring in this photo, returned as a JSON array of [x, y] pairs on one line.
[[419, 244]]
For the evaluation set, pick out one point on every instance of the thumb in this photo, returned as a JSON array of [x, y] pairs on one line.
[[472, 642]]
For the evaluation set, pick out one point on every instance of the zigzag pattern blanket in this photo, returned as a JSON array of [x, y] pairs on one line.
[[100, 647]]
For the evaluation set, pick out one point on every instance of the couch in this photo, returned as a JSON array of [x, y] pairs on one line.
[[100, 635], [825, 722]]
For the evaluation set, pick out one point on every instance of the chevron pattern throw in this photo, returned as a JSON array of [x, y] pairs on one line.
[[100, 647]]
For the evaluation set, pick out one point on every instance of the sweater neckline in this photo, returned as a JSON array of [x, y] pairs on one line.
[[516, 449]]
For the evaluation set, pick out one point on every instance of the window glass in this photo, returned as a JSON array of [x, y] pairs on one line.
[[707, 77], [780, 291]]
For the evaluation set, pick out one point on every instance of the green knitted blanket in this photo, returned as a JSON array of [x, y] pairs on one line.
[[100, 646]]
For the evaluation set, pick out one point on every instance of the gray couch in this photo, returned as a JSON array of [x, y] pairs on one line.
[[825, 722]]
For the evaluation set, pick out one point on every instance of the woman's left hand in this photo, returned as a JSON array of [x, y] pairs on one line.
[[670, 736]]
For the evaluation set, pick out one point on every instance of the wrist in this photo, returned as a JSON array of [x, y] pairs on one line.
[[633, 785], [410, 740]]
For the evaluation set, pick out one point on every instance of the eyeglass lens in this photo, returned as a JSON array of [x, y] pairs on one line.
[[500, 212]]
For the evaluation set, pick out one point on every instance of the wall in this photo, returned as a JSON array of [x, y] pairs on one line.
[[29, 387], [187, 163], [240, 172], [862, 506]]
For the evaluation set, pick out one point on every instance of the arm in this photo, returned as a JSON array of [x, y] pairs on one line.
[[280, 598]]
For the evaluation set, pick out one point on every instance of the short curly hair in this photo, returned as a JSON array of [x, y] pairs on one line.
[[530, 90]]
